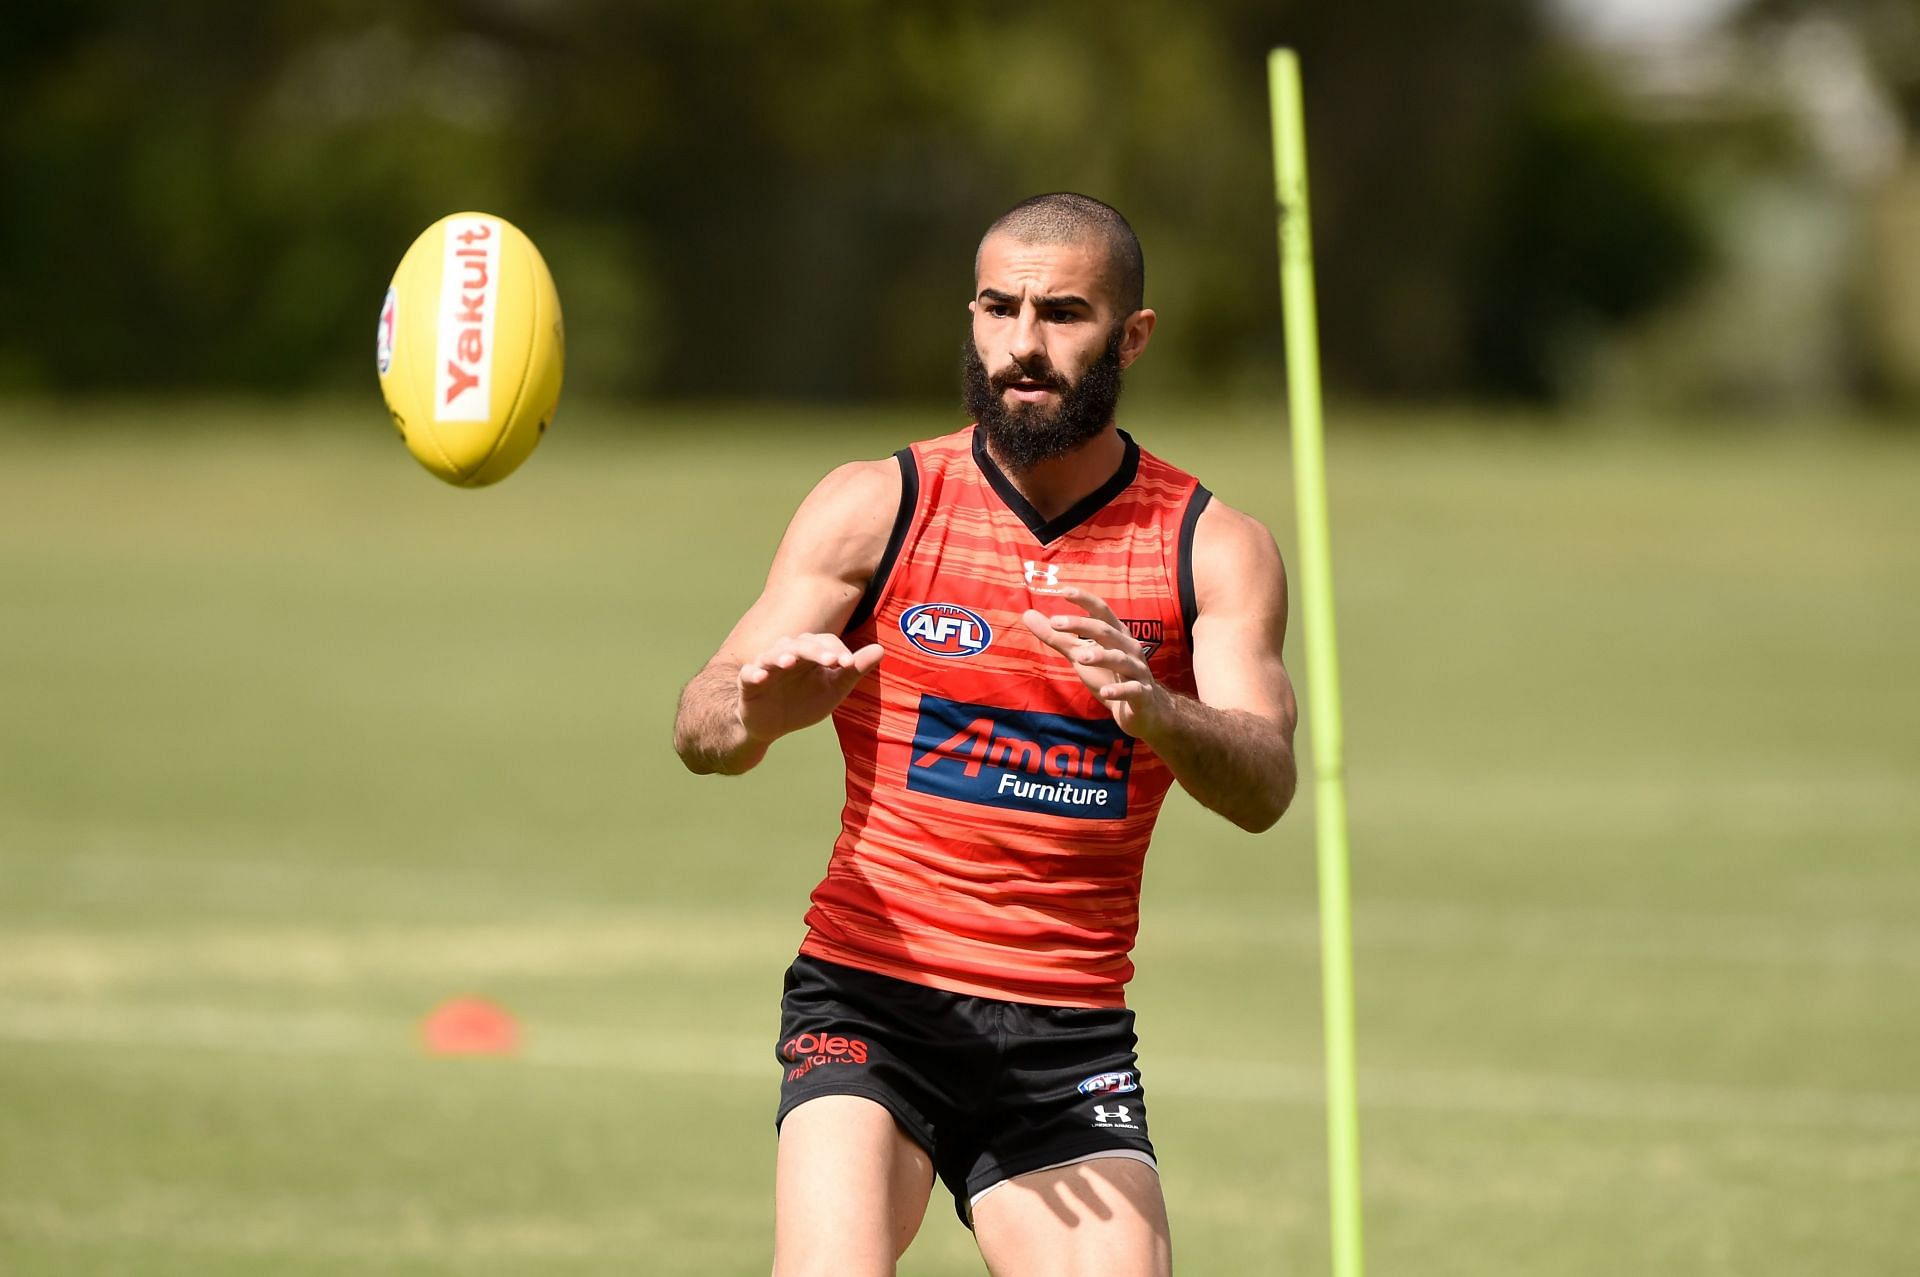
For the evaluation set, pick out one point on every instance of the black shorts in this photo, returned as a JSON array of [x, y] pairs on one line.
[[989, 1089]]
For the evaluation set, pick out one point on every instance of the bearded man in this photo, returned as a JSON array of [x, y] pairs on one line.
[[1024, 632]]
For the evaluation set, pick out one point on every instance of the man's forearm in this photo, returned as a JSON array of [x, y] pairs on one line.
[[1235, 763], [707, 733]]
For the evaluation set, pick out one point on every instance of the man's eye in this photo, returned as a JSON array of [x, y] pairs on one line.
[[999, 311], [1064, 316]]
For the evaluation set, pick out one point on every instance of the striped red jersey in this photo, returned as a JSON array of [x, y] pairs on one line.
[[997, 818]]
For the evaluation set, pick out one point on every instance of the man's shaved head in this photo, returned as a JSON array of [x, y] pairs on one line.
[[1066, 218]]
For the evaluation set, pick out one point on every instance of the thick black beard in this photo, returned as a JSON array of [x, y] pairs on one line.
[[1024, 436]]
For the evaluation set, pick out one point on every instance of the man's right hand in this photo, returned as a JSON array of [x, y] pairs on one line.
[[799, 681]]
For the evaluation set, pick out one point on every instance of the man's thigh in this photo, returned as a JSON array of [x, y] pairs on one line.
[[1098, 1218], [850, 1190]]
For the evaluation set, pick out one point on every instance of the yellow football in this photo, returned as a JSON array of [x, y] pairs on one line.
[[470, 348]]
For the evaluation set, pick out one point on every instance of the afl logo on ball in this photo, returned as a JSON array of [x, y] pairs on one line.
[[946, 629], [383, 343]]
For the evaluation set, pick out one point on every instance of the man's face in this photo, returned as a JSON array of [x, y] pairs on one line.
[[1043, 366]]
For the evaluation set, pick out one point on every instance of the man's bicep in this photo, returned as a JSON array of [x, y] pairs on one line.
[[1240, 586], [791, 603], [825, 561], [1235, 666]]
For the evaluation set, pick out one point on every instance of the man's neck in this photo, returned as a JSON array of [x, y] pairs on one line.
[[1054, 487]]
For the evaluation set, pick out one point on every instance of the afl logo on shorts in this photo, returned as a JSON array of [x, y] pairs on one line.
[[1110, 1084], [946, 629]]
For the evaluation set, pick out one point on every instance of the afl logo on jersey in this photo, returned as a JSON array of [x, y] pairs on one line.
[[946, 629]]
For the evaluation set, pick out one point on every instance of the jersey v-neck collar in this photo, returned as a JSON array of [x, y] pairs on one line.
[[1047, 531]]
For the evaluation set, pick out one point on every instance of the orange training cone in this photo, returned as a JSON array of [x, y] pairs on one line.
[[470, 1026]]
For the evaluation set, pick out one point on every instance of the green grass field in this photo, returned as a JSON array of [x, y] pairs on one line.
[[296, 743]]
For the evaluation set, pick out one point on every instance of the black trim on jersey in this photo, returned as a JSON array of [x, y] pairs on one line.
[[1189, 606], [1047, 531], [902, 520]]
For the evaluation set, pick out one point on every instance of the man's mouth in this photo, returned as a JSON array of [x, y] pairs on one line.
[[1028, 388], [1029, 391]]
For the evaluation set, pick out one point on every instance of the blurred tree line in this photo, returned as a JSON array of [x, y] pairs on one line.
[[746, 199]]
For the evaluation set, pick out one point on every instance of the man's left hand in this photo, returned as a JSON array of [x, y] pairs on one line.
[[1107, 658]]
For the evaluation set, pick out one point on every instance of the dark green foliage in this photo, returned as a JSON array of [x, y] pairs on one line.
[[1588, 228], [748, 199]]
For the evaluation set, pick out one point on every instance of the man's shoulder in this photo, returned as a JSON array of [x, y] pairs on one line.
[[871, 493], [859, 482], [1234, 529], [1235, 560], [843, 523]]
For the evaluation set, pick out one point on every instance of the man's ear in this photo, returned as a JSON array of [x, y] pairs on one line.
[[1137, 332]]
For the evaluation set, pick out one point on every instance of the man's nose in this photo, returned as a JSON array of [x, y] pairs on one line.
[[1028, 345]]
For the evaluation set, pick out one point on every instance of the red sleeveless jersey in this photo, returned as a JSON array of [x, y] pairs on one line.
[[997, 818]]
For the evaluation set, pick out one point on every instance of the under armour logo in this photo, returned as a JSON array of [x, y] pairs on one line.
[[1119, 1116], [1042, 573]]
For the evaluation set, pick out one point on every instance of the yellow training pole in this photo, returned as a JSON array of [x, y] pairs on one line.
[[1323, 666]]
